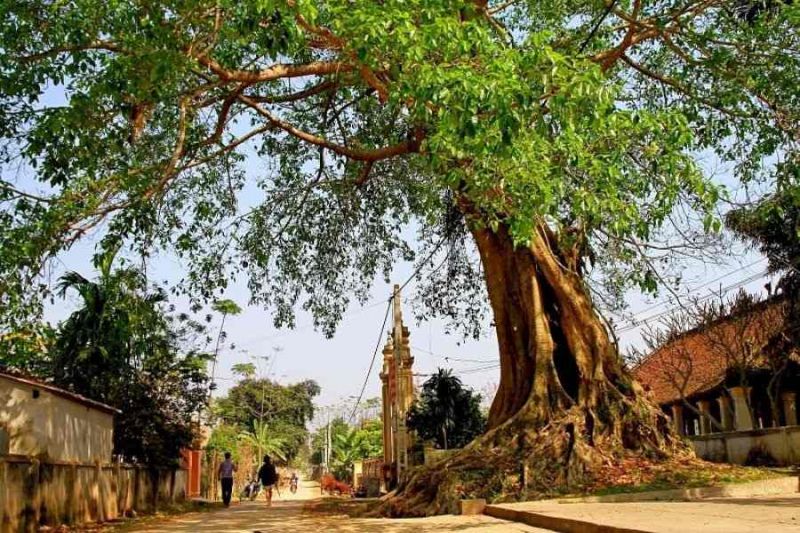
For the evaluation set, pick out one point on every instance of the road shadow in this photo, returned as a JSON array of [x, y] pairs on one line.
[[292, 516]]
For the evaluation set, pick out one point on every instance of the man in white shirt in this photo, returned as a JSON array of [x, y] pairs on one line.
[[225, 475]]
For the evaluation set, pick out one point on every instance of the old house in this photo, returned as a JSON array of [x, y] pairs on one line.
[[725, 388], [40, 420]]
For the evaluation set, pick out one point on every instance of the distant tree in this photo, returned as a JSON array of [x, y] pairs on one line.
[[262, 439], [26, 349], [225, 438], [285, 409], [446, 412], [225, 308], [122, 348]]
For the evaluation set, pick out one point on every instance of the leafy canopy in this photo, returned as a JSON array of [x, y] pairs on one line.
[[123, 348], [290, 142]]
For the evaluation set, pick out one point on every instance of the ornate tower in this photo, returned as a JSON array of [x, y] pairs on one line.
[[398, 390]]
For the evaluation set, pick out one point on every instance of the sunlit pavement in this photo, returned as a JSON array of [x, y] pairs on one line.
[[287, 514]]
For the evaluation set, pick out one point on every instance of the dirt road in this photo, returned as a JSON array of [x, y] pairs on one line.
[[287, 515]]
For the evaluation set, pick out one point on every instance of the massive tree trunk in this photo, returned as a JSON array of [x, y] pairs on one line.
[[565, 406]]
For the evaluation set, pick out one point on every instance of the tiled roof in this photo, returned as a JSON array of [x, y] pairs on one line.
[[19, 377], [698, 360]]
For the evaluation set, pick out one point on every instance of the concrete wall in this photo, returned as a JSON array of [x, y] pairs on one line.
[[34, 493], [432, 455], [782, 443], [52, 427]]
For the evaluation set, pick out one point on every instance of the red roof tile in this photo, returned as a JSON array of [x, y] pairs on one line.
[[698, 360]]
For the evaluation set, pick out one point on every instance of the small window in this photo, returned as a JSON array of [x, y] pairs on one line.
[[35, 393]]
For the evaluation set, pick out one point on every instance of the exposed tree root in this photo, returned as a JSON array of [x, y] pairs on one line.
[[521, 459]]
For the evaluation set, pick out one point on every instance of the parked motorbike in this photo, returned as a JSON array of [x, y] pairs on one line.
[[250, 491]]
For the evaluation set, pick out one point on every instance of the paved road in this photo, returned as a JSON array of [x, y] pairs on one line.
[[287, 515], [758, 514]]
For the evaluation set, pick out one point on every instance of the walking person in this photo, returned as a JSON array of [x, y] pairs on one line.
[[268, 476], [225, 475]]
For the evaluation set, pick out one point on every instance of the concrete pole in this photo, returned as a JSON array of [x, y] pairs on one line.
[[705, 416], [725, 412], [789, 400], [741, 408], [677, 418]]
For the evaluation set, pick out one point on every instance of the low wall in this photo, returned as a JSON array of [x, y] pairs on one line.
[[34, 493], [432, 455], [782, 444]]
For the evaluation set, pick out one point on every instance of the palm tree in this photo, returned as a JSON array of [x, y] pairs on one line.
[[103, 332], [263, 439]]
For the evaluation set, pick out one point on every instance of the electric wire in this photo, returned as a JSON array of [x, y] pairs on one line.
[[372, 361]]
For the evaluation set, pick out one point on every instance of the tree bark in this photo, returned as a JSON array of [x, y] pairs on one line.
[[555, 352], [565, 407]]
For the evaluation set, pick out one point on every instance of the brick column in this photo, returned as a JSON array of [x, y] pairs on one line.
[[789, 400], [725, 412], [744, 421], [677, 418], [705, 416]]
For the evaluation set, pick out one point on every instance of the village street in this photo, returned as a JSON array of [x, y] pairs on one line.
[[289, 513]]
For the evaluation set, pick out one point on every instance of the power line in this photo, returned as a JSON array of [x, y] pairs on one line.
[[449, 358], [372, 361], [370, 305], [672, 309], [695, 289], [386, 316]]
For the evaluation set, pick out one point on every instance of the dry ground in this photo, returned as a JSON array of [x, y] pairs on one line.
[[291, 513]]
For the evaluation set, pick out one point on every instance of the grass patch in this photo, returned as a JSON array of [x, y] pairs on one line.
[[635, 476]]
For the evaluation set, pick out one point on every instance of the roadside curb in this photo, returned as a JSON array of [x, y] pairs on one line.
[[538, 518], [554, 523]]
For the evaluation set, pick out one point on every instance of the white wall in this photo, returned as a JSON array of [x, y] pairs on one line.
[[52, 426], [782, 443]]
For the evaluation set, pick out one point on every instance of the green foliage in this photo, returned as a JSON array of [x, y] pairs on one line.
[[447, 413], [348, 444], [269, 409], [568, 114], [27, 348], [225, 438], [264, 440], [122, 348], [226, 307]]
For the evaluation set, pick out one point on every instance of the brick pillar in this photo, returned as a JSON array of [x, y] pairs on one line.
[[789, 400], [705, 416], [744, 421], [677, 418], [725, 412], [387, 388]]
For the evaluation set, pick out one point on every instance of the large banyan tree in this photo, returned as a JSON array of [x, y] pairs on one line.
[[538, 146]]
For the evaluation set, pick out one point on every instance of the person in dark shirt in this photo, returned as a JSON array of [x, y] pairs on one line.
[[268, 476]]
